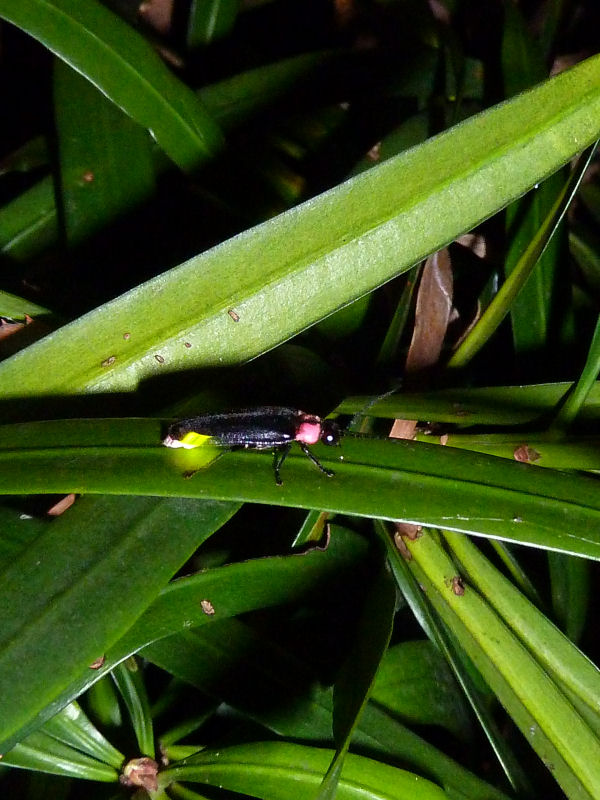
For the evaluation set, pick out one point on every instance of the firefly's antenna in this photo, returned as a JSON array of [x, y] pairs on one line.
[[358, 420]]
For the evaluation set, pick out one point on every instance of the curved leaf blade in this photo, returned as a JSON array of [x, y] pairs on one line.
[[42, 753], [79, 587], [232, 590], [282, 771], [286, 274], [117, 60], [545, 715], [387, 479]]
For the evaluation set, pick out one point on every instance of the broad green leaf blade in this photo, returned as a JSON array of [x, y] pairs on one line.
[[388, 479], [117, 60], [230, 590], [415, 684], [106, 159], [284, 275], [79, 587], [237, 588], [282, 771], [17, 531]]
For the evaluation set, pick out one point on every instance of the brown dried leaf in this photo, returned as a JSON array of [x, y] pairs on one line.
[[157, 13], [403, 429], [8, 327], [434, 305]]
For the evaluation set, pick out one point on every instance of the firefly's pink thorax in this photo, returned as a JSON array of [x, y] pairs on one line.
[[308, 432]]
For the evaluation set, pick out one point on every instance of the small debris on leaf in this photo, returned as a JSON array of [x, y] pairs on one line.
[[526, 454], [457, 585], [207, 607]]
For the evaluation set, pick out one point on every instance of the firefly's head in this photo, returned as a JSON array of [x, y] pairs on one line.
[[330, 432]]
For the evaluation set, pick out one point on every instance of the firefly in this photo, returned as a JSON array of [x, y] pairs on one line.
[[263, 428]]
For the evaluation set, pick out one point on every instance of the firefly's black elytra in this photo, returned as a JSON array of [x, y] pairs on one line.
[[257, 429]]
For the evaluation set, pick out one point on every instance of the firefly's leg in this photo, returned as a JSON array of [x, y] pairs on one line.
[[279, 456], [315, 461]]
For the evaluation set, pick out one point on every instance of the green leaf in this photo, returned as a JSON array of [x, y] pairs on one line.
[[290, 272], [537, 704], [388, 479], [579, 392], [106, 159], [234, 100], [72, 727], [210, 659], [230, 590], [530, 322], [43, 753], [79, 587], [281, 771], [27, 158], [210, 20], [354, 683], [551, 648], [451, 647], [119, 62], [28, 224], [102, 701], [129, 681], [570, 581], [545, 294], [415, 683], [16, 307], [17, 531], [472, 406]]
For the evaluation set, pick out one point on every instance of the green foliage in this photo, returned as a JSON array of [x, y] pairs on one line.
[[175, 209]]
